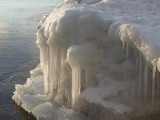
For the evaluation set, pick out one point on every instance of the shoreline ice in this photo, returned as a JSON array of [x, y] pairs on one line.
[[105, 52]]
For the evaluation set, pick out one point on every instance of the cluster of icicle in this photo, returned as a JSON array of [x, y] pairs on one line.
[[54, 65], [62, 35], [147, 62], [147, 74]]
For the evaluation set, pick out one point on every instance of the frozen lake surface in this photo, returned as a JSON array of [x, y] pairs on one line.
[[18, 51]]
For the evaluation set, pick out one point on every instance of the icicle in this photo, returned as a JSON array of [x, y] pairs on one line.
[[123, 45], [51, 70], [58, 65], [140, 74], [86, 79], [63, 55], [46, 68], [137, 65], [131, 52], [154, 63], [158, 84], [57, 59], [55, 65], [145, 80], [76, 84], [127, 50], [153, 83], [41, 57], [122, 51]]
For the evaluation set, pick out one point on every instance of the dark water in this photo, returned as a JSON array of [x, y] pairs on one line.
[[18, 51]]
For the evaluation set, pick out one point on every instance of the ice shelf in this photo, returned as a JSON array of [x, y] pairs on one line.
[[96, 55]]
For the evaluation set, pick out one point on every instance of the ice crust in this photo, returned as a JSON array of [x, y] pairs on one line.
[[104, 51]]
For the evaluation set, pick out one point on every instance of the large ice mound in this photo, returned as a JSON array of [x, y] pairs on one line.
[[98, 57]]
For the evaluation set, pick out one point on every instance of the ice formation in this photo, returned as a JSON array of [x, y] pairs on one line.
[[100, 57]]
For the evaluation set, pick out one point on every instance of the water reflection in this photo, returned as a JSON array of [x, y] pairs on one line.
[[18, 51], [3, 30]]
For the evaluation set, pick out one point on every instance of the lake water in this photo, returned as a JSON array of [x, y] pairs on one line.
[[18, 51]]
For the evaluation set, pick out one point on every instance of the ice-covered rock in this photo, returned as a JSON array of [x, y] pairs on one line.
[[104, 52]]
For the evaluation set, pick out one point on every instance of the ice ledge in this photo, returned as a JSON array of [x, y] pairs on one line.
[[109, 37], [31, 98]]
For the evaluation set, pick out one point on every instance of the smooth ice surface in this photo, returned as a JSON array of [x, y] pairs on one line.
[[103, 51]]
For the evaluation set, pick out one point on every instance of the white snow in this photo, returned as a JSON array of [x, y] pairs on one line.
[[103, 51]]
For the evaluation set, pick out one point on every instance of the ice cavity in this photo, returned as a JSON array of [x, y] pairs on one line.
[[103, 52]]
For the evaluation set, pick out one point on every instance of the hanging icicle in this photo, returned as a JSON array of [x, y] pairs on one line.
[[140, 74], [145, 80], [45, 65], [154, 64], [76, 84]]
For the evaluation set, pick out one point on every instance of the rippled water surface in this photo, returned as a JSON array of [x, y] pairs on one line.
[[18, 51]]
